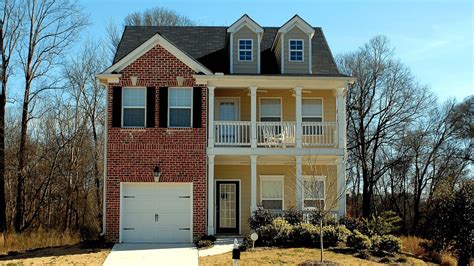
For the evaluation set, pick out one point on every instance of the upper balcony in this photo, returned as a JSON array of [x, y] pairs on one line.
[[275, 134], [275, 118]]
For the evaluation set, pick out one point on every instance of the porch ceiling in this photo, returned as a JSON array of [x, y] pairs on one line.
[[273, 82], [274, 160]]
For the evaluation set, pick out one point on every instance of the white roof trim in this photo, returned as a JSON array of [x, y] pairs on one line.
[[297, 21], [157, 39], [245, 20]]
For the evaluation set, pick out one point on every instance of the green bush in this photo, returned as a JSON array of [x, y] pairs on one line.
[[277, 233], [390, 244], [333, 235], [246, 244], [260, 217], [359, 241], [204, 241], [293, 216], [305, 234], [450, 225], [385, 223]]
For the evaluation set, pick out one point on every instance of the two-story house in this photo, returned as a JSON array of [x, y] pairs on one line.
[[206, 124]]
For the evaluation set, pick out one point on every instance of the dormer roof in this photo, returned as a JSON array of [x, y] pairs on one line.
[[245, 20], [297, 21]]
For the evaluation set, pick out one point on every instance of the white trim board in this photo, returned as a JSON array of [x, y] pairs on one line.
[[157, 39]]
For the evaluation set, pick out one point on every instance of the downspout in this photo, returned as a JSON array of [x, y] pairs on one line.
[[104, 203]]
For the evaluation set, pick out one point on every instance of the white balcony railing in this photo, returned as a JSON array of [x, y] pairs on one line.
[[274, 134], [232, 133], [319, 133]]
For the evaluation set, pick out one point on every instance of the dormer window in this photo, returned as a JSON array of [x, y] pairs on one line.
[[296, 50], [245, 49]]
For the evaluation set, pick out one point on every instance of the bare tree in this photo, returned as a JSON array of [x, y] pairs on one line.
[[80, 73], [156, 16], [51, 26], [381, 105], [10, 21], [321, 194]]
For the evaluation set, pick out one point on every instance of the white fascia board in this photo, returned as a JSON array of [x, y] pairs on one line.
[[298, 22], [157, 39], [245, 21]]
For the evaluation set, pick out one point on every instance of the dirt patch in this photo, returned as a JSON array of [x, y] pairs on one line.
[[66, 255]]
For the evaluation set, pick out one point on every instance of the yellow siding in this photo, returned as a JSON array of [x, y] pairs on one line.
[[288, 102], [242, 173]]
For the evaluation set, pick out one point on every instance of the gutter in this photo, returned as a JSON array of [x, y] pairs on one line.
[[104, 203]]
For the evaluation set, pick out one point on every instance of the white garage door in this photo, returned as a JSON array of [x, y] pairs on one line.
[[156, 212]]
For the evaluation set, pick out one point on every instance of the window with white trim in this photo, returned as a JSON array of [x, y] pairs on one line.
[[270, 109], [271, 192], [296, 50], [245, 49], [312, 110], [133, 107], [314, 192], [180, 104]]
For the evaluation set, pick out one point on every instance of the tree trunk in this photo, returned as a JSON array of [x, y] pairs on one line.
[[366, 196], [22, 160], [3, 216], [321, 237]]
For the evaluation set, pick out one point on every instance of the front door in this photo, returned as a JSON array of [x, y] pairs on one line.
[[227, 209]]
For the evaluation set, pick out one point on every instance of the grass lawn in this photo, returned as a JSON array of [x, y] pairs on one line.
[[290, 256], [66, 255]]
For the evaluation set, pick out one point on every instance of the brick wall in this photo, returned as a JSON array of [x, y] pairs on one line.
[[132, 154]]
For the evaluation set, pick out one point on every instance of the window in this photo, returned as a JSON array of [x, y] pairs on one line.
[[133, 107], [312, 110], [180, 107], [270, 109], [296, 50], [314, 192], [271, 192], [245, 50]]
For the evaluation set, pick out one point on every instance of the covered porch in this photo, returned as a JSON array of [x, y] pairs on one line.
[[238, 185]]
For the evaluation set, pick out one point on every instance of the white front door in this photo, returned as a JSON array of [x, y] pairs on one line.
[[156, 212], [227, 110]]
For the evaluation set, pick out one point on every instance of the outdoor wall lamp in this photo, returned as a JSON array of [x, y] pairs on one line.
[[157, 173]]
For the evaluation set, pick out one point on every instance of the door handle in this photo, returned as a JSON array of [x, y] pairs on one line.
[[157, 217]]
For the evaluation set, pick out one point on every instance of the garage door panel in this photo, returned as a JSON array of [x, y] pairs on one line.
[[171, 202], [177, 205], [139, 220]]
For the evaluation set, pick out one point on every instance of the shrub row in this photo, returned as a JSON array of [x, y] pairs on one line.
[[281, 233]]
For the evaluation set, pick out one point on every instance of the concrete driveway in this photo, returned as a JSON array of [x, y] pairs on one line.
[[152, 254]]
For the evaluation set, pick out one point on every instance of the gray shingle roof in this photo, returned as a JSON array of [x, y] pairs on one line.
[[208, 46]]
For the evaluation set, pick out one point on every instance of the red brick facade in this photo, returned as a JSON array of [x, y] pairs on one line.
[[132, 154]]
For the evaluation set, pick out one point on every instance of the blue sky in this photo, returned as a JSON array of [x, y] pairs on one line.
[[434, 38]]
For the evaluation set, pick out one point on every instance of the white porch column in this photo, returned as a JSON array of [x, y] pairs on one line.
[[341, 186], [210, 115], [341, 118], [299, 119], [253, 183], [210, 195], [299, 182], [253, 117]]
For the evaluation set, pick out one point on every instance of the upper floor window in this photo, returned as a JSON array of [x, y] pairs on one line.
[[312, 110], [180, 107], [245, 49], [133, 107], [270, 109], [296, 50]]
